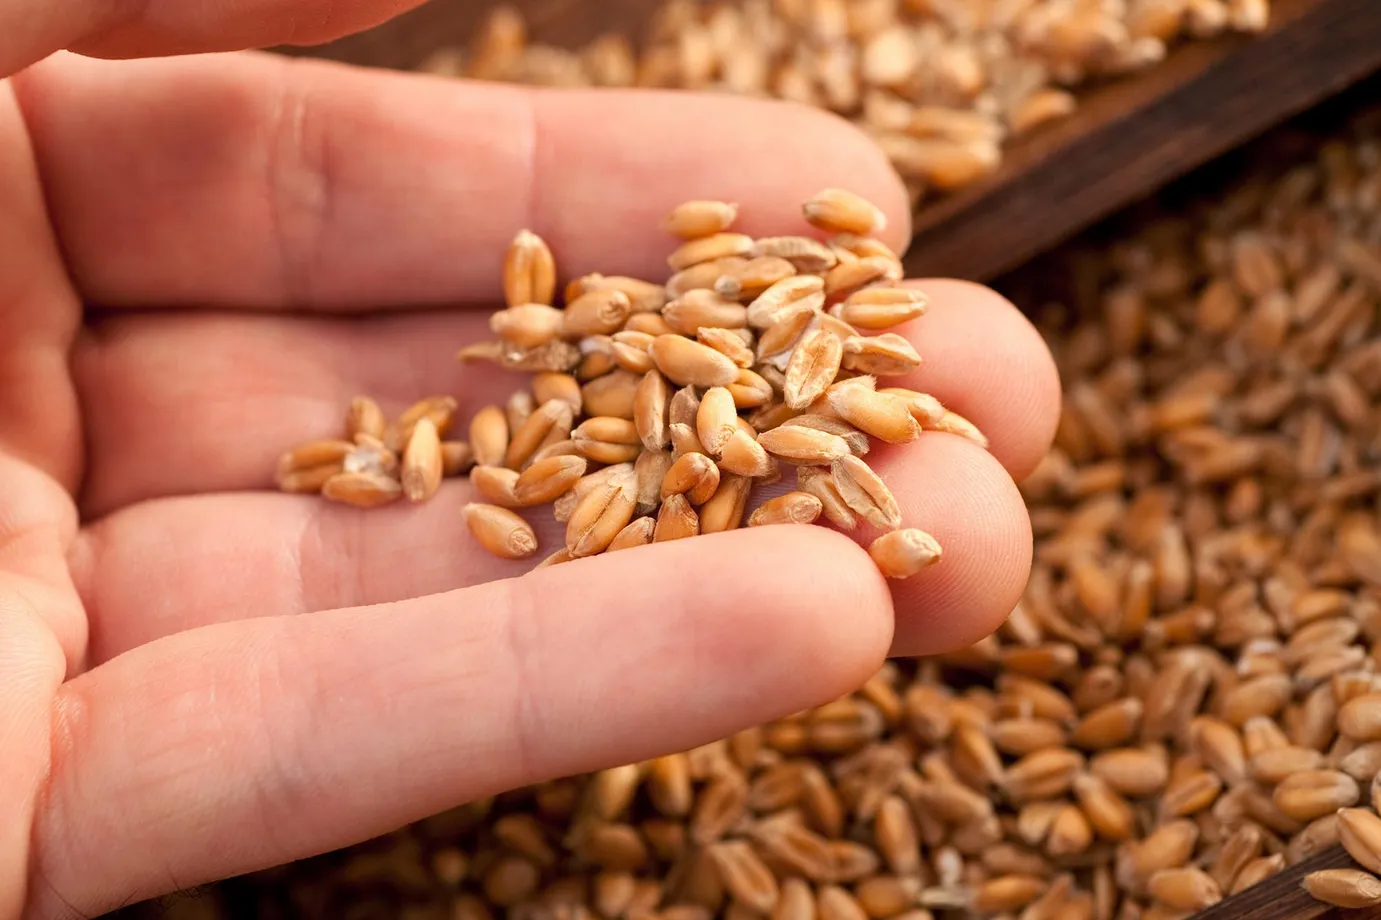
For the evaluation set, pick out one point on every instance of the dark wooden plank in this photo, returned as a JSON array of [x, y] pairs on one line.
[[1282, 898], [1130, 138]]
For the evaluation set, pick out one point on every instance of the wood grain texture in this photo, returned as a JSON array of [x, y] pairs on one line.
[[1130, 138], [1282, 898]]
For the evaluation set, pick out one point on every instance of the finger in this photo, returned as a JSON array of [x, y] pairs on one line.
[[984, 359], [163, 567], [961, 495], [39, 316], [250, 744], [255, 181], [161, 425], [33, 29]]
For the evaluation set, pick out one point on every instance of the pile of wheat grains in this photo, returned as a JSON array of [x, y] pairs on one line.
[[1185, 702], [943, 85], [656, 409]]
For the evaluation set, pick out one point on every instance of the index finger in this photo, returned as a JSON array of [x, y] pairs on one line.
[[34, 29], [251, 181]]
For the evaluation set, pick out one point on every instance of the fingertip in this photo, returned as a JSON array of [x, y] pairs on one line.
[[972, 507], [983, 358], [825, 597]]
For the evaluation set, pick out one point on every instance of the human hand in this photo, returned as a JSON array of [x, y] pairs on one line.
[[188, 251]]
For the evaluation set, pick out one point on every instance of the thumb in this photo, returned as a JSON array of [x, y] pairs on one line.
[[235, 747], [30, 30]]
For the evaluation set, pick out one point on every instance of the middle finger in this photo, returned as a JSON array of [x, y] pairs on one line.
[[188, 403]]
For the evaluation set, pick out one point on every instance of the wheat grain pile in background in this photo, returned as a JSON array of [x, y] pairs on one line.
[[1184, 700], [943, 85]]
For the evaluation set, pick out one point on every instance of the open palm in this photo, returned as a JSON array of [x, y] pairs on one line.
[[201, 260]]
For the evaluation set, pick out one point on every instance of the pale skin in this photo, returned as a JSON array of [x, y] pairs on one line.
[[168, 714]]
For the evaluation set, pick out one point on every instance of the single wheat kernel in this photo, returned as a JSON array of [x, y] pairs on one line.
[[800, 291], [365, 417], [716, 419], [1359, 831], [1188, 889], [1315, 793], [744, 456], [724, 511], [847, 277], [804, 253], [857, 440], [650, 405], [500, 531], [904, 553], [688, 363], [529, 271], [865, 492], [422, 462], [710, 249], [549, 424], [885, 355], [838, 211], [887, 418], [496, 484], [1008, 893], [314, 454], [639, 532], [694, 219], [308, 481], [607, 440], [362, 490], [489, 436], [813, 366], [753, 277], [527, 325], [878, 308], [799, 444], [1344, 887], [694, 474], [596, 313], [744, 875], [601, 514], [791, 508], [545, 481], [676, 520]]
